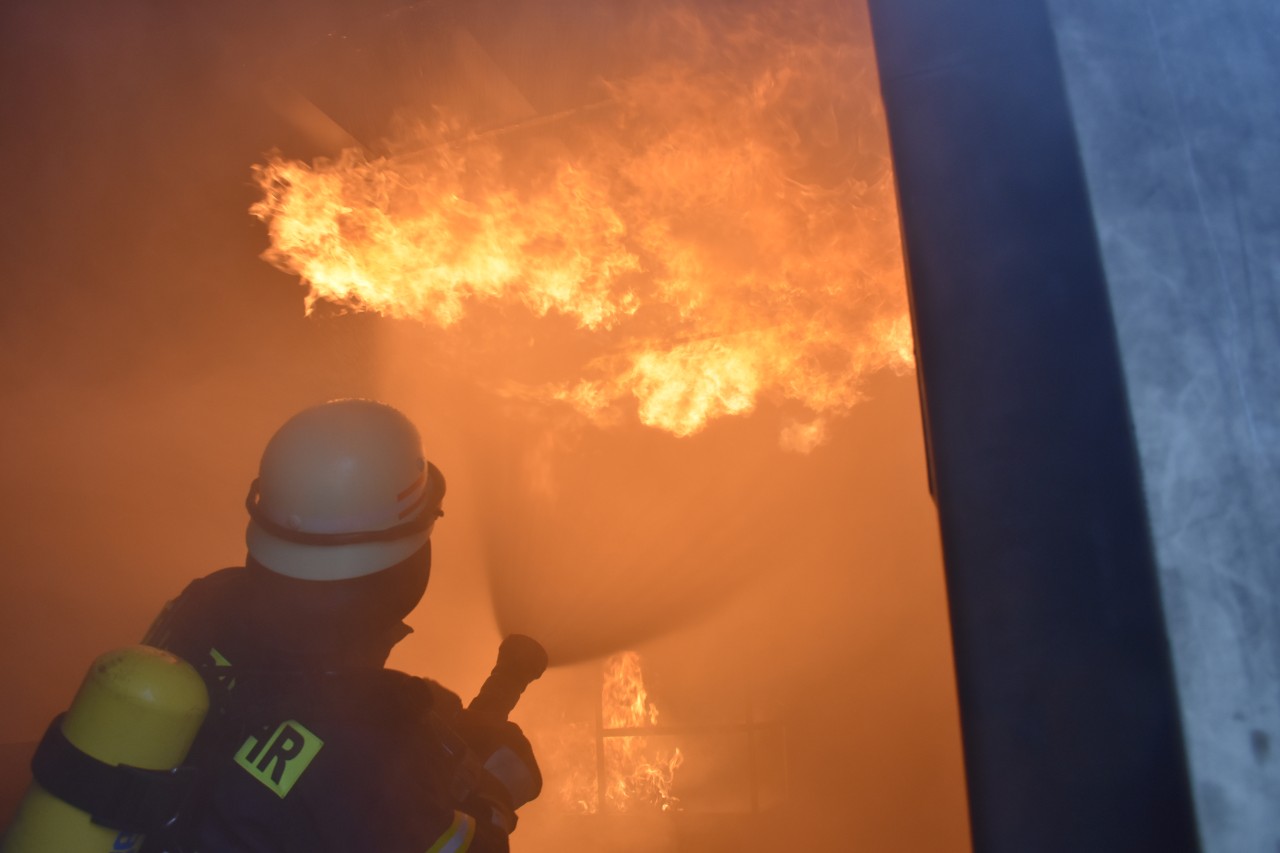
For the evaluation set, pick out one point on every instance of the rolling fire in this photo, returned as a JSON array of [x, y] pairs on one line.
[[722, 226]]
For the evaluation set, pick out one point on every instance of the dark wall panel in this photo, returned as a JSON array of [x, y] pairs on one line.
[[1068, 707]]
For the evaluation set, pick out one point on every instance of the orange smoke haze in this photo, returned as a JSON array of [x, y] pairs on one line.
[[652, 329]]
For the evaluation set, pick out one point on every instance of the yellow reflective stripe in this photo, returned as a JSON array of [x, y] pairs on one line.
[[220, 660], [457, 838]]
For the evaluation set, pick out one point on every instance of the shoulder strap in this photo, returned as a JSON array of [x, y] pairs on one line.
[[118, 796]]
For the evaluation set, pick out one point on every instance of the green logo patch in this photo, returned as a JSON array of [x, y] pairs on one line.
[[279, 760]]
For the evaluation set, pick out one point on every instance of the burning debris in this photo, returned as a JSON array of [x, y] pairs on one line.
[[636, 776], [720, 226], [609, 765]]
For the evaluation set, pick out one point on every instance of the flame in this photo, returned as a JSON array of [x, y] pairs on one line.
[[635, 775], [567, 755], [722, 226]]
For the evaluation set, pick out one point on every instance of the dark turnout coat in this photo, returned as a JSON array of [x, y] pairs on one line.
[[311, 745]]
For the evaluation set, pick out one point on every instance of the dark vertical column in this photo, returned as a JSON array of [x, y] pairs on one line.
[[1068, 708], [1176, 111]]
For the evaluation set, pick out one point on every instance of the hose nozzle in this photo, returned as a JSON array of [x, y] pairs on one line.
[[521, 661]]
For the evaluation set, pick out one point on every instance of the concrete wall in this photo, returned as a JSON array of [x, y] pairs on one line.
[[1178, 118]]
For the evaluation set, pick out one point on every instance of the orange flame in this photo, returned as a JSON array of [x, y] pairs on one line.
[[724, 227], [636, 777], [567, 755]]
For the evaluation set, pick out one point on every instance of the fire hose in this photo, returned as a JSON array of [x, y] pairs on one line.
[[521, 661]]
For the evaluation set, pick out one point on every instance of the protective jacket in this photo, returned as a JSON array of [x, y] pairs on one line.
[[311, 745]]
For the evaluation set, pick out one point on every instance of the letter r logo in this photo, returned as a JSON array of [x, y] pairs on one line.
[[278, 761]]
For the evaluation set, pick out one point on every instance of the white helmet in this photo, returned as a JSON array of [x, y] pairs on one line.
[[343, 491]]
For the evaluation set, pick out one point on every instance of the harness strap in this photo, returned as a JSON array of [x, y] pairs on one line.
[[118, 796]]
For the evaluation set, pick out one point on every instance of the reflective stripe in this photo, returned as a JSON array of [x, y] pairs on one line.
[[457, 838], [219, 660], [409, 510], [413, 487]]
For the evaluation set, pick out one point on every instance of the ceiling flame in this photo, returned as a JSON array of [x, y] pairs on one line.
[[723, 226]]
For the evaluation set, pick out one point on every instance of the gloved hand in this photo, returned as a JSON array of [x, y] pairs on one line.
[[505, 754]]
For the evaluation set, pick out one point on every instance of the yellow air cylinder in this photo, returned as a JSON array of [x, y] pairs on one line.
[[138, 706]]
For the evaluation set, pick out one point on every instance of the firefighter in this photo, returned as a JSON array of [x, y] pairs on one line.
[[311, 744]]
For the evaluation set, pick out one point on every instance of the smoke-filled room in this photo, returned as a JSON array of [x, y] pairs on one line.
[[681, 426]]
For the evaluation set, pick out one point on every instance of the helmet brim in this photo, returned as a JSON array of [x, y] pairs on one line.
[[329, 562]]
